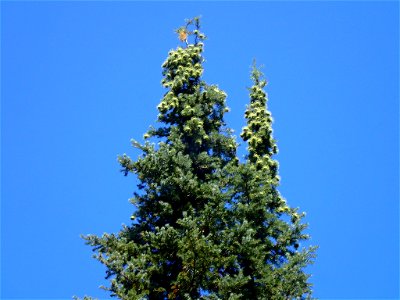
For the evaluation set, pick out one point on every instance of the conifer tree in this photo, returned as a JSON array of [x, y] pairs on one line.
[[206, 226], [169, 250], [268, 231]]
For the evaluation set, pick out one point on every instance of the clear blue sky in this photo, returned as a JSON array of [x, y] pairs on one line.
[[80, 79]]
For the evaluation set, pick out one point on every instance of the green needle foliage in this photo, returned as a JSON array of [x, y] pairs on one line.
[[206, 226]]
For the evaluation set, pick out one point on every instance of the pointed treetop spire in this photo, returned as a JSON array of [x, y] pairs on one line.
[[184, 32], [258, 132], [257, 76]]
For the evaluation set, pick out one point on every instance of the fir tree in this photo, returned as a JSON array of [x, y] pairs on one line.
[[268, 231], [205, 225]]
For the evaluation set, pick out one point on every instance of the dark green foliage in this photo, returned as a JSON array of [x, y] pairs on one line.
[[206, 226]]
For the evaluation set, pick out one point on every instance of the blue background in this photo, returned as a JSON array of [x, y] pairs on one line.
[[79, 79]]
